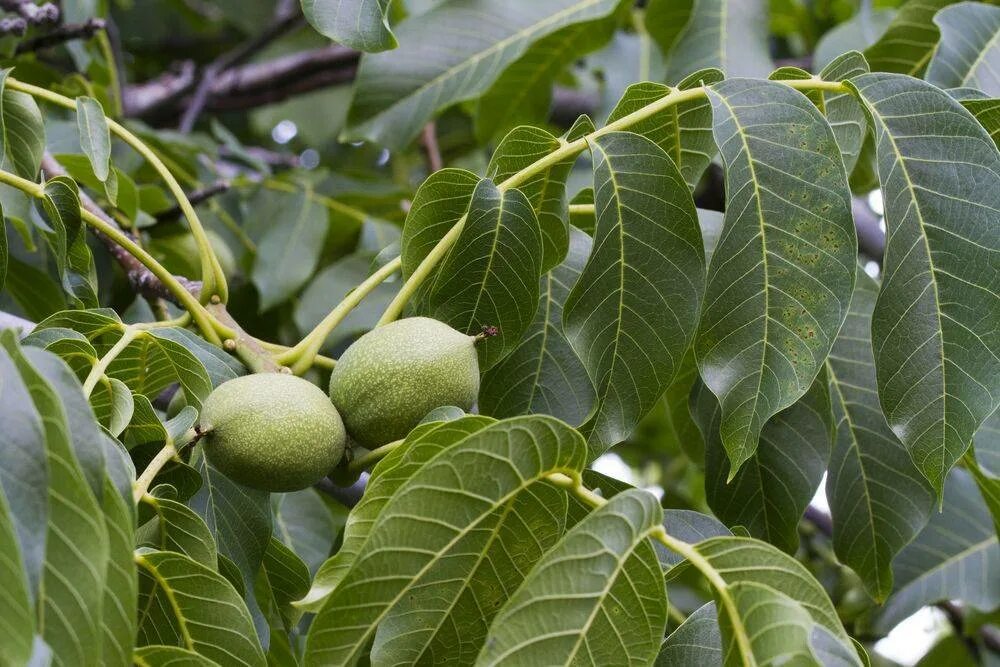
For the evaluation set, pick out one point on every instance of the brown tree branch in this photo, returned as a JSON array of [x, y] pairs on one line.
[[47, 13], [430, 143], [62, 35]]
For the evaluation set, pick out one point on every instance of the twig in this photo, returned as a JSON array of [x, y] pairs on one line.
[[431, 148], [32, 13], [142, 279], [196, 197], [283, 23], [62, 35]]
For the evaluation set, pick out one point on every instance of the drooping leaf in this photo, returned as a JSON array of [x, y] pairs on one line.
[[422, 444], [359, 24], [601, 581], [396, 92], [878, 499], [987, 445], [696, 641], [120, 604], [956, 556], [771, 491], [631, 315], [490, 275], [447, 619], [987, 113], [22, 131], [95, 139], [543, 375], [935, 355], [185, 604], [438, 205], [61, 203], [477, 475], [782, 274], [730, 35], [289, 250], [908, 43], [968, 53], [683, 131]]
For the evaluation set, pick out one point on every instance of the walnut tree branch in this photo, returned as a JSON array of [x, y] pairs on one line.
[[62, 34]]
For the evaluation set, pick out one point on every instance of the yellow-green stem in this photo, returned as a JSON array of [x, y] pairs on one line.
[[142, 483], [373, 457], [101, 367], [213, 278], [104, 44], [568, 150], [301, 357]]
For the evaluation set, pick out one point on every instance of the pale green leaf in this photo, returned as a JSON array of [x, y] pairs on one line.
[[490, 275], [878, 499], [782, 274], [987, 444], [304, 523], [543, 375], [187, 605], [359, 24], [396, 92], [683, 131], [632, 313], [987, 113], [120, 605], [22, 131], [112, 402], [731, 35], [855, 34], [61, 203], [696, 641], [968, 53], [597, 597], [448, 497], [843, 110], [955, 557], [935, 355]]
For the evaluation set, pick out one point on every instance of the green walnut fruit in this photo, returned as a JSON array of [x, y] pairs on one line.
[[392, 376], [271, 431]]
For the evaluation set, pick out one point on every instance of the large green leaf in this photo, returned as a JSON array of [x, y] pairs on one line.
[[771, 491], [596, 598], [543, 375], [157, 655], [782, 274], [683, 131], [696, 641], [22, 131], [855, 34], [359, 24], [448, 497], [490, 275], [731, 35], [422, 444], [935, 354], [187, 605], [76, 549], [878, 499], [843, 110], [176, 527], [306, 525], [396, 92], [438, 205], [95, 140], [968, 53], [956, 557], [17, 622], [632, 313], [120, 606], [446, 618], [908, 43], [987, 113]]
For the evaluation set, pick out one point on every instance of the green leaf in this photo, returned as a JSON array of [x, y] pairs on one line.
[[908, 43], [782, 274], [359, 24], [730, 35], [398, 91], [95, 139], [185, 604], [422, 444], [120, 606], [968, 53], [169, 656], [17, 623], [770, 602], [438, 205], [522, 95], [34, 291], [683, 131], [4, 251], [878, 499], [843, 110], [113, 404], [935, 355], [989, 487], [772, 490], [987, 445], [155, 360], [490, 275], [987, 114], [479, 474], [176, 527], [696, 641], [22, 131], [632, 313], [956, 557], [76, 541], [287, 579], [447, 618], [289, 250], [601, 581], [73, 259], [304, 523], [546, 190], [543, 375], [855, 34]]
